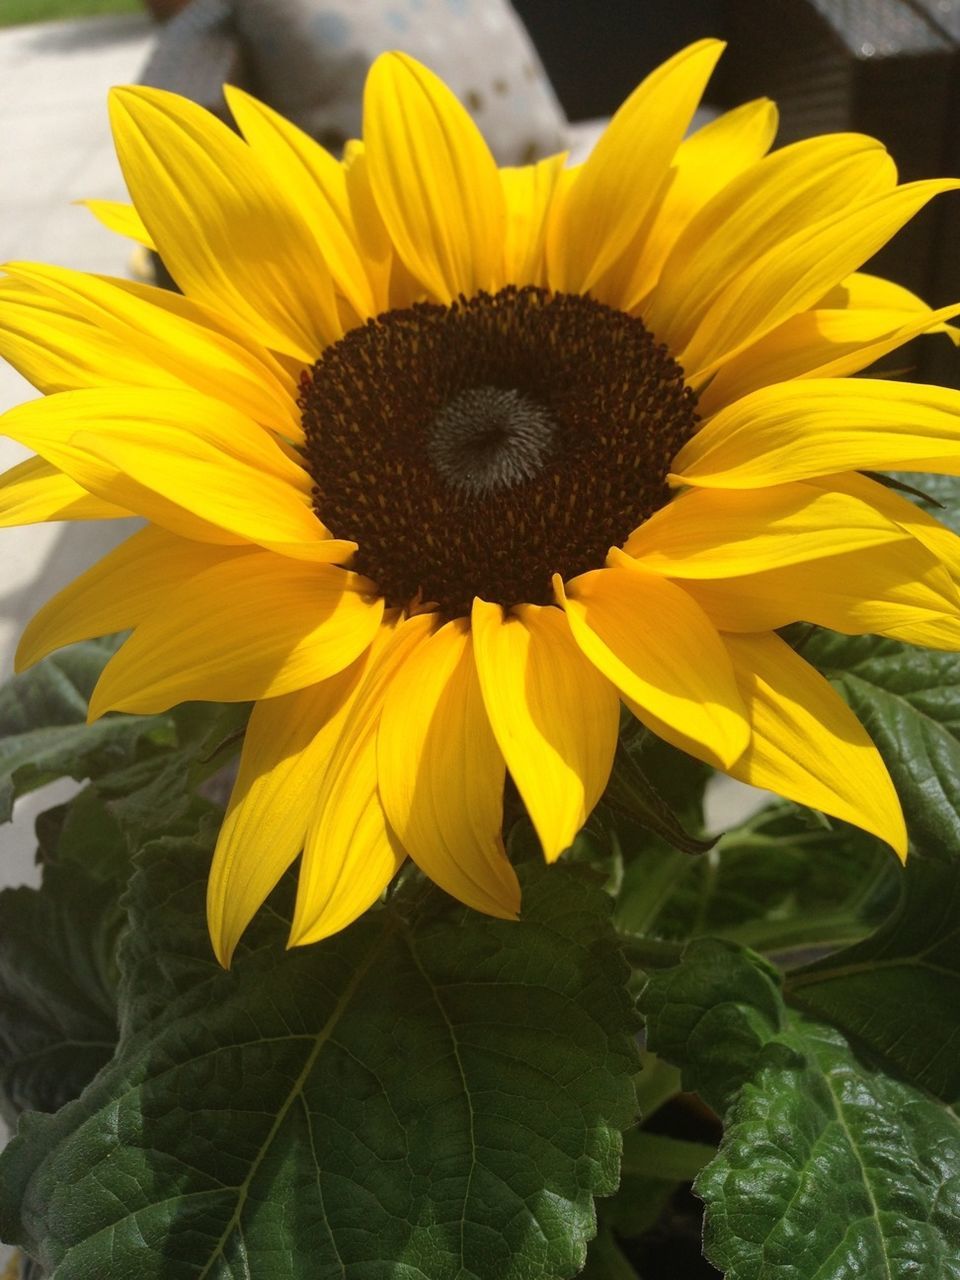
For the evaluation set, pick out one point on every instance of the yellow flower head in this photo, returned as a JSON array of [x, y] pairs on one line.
[[406, 446]]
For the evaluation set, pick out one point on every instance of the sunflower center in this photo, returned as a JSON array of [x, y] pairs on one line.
[[479, 448], [488, 438]]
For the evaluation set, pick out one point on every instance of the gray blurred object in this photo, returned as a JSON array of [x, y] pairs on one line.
[[308, 59], [890, 68], [197, 52]]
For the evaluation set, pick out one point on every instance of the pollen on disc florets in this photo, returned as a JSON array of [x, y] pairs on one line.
[[477, 449]]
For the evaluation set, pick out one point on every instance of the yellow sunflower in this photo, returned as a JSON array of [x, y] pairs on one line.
[[442, 462]]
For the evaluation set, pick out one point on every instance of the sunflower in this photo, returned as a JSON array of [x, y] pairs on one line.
[[441, 463]]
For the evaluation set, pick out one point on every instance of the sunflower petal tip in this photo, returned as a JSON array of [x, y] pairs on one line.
[[24, 658], [120, 97], [301, 934], [554, 849], [99, 704], [897, 837]]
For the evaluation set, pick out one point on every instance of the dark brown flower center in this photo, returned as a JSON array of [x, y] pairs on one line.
[[477, 449]]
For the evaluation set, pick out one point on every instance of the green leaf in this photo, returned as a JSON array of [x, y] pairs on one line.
[[828, 1169], [631, 792], [678, 777], [897, 994], [711, 1016], [57, 977], [43, 729], [774, 883], [58, 971], [908, 700], [430, 1093], [158, 795], [58, 1004]]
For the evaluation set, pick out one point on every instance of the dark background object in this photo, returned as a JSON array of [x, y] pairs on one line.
[[889, 68], [596, 53]]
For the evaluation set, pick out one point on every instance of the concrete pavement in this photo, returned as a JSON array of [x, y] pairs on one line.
[[54, 148]]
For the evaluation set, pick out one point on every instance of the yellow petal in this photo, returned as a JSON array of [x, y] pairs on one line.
[[616, 186], [704, 164], [554, 716], [183, 460], [34, 491], [441, 774], [864, 292], [818, 344], [211, 209], [120, 218], [180, 469], [806, 743], [63, 330], [372, 235], [253, 626], [434, 179], [720, 533], [528, 191], [132, 581], [935, 536], [883, 590], [790, 191], [351, 854], [303, 170], [651, 640], [792, 275], [816, 426], [939, 632], [285, 751]]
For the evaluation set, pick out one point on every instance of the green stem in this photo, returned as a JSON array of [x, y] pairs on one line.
[[668, 1159], [657, 1083], [607, 1261], [650, 953], [769, 936]]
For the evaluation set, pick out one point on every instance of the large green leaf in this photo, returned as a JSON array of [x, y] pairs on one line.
[[58, 968], [43, 729], [829, 1169], [431, 1093], [57, 1004], [711, 1015], [897, 994]]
